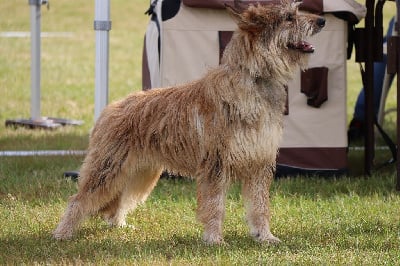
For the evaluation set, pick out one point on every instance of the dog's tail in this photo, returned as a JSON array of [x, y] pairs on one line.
[[108, 150]]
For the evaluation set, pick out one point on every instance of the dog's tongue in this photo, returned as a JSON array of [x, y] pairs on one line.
[[303, 46]]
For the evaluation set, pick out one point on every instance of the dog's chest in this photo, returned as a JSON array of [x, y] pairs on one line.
[[256, 129], [250, 145]]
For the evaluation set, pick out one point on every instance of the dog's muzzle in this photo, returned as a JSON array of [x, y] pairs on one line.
[[304, 46], [321, 22]]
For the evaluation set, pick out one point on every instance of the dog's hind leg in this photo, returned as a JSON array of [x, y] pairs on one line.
[[73, 216], [211, 207], [140, 184], [102, 180], [81, 205], [255, 191]]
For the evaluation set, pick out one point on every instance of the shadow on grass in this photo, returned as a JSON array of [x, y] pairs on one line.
[[316, 187], [95, 242], [94, 245], [91, 245], [37, 179], [31, 179]]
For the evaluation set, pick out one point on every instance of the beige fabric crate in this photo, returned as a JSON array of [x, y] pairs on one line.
[[315, 138]]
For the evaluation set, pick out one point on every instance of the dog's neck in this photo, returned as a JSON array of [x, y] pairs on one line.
[[269, 64]]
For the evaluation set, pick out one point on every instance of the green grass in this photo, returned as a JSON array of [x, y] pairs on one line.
[[68, 63], [349, 220], [335, 221]]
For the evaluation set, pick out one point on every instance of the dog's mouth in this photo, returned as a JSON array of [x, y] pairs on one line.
[[302, 46]]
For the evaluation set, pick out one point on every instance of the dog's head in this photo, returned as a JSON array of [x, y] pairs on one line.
[[281, 23], [277, 31]]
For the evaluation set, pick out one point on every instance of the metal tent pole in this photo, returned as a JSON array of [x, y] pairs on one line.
[[369, 81], [36, 120], [398, 91], [102, 26], [35, 6]]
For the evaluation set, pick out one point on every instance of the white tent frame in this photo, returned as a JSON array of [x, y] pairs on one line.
[[102, 26], [35, 6], [36, 120]]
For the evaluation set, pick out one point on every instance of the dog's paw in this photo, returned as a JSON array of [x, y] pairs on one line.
[[120, 224], [212, 239], [124, 226], [62, 234], [115, 221], [267, 238]]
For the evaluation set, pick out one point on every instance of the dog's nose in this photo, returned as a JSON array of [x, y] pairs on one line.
[[321, 22]]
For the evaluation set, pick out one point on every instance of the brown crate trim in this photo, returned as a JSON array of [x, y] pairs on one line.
[[315, 6], [314, 158], [224, 38], [314, 84], [220, 4]]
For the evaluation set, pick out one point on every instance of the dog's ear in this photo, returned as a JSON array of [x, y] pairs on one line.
[[297, 3], [245, 19], [237, 9], [292, 3], [240, 5], [234, 12]]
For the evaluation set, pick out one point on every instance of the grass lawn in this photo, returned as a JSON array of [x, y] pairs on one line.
[[348, 220]]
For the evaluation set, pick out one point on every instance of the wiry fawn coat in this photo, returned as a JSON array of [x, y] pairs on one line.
[[225, 126]]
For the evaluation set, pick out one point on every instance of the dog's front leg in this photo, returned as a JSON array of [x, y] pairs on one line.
[[255, 192], [211, 207]]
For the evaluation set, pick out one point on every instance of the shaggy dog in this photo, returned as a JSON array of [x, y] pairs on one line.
[[225, 126]]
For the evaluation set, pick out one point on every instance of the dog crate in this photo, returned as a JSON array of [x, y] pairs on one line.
[[185, 39]]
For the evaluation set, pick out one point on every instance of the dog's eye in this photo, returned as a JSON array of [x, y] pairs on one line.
[[290, 17]]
